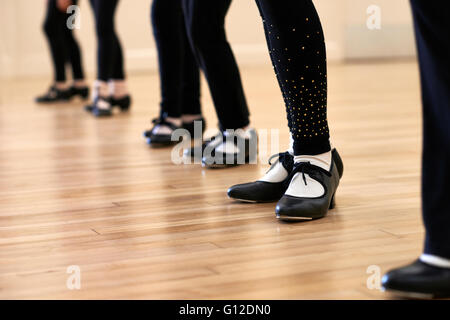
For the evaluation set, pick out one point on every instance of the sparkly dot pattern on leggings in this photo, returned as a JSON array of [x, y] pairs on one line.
[[297, 49]]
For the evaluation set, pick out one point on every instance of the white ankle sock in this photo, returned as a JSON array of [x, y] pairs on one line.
[[118, 88], [435, 261], [312, 188], [100, 88], [322, 160], [291, 145]]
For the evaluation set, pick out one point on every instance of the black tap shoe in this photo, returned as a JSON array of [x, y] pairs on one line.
[[82, 92], [160, 140], [291, 208], [246, 151], [418, 280], [263, 191], [54, 95], [196, 152], [123, 104]]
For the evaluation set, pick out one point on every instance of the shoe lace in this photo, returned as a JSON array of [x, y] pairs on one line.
[[162, 122], [285, 159], [307, 168]]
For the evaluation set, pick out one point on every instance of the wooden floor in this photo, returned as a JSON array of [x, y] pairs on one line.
[[79, 191]]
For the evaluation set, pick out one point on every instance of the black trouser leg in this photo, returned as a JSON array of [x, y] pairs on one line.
[[54, 29], [297, 49], [432, 33], [205, 20], [118, 69], [73, 52], [179, 73], [104, 11]]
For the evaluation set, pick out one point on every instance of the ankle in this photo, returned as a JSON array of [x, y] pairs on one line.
[[79, 84], [118, 88], [188, 118], [174, 121], [60, 85], [322, 160]]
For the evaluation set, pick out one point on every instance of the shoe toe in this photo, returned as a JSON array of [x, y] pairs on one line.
[[242, 192], [293, 208]]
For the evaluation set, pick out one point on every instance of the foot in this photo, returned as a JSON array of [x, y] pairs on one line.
[[54, 95], [269, 188], [81, 91], [418, 280], [234, 149], [311, 190], [196, 152], [102, 107], [161, 133], [123, 104]]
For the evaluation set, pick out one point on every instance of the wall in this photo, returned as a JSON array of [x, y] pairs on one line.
[[23, 49]]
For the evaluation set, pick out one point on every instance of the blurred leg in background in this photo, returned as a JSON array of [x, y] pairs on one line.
[[205, 24], [110, 88], [179, 75], [64, 50], [429, 276]]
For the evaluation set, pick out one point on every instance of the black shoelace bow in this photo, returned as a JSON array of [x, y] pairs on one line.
[[307, 168], [285, 159]]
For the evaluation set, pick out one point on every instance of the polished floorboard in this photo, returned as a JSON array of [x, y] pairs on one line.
[[75, 190]]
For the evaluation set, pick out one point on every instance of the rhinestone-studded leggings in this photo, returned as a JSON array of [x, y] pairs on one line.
[[297, 48]]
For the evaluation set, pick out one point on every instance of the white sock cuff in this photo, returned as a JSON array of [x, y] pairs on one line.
[[435, 260]]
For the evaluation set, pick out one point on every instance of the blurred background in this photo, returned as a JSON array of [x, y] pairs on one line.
[[23, 48]]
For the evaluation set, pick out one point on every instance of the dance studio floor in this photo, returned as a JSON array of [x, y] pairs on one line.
[[77, 191]]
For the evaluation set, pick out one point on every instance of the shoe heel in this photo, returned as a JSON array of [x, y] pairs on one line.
[[333, 202], [84, 93], [125, 104]]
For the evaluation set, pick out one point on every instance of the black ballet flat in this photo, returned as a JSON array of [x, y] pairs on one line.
[[214, 159], [419, 281], [263, 191], [54, 95], [82, 92], [291, 208], [160, 140]]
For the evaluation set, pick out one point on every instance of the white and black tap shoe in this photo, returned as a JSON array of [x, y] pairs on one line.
[[269, 188], [311, 191]]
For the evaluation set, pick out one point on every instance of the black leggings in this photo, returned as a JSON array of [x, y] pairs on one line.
[[63, 46], [109, 57], [179, 72], [297, 49], [205, 21]]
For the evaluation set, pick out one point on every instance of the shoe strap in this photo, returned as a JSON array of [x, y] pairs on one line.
[[164, 122], [286, 160], [103, 100]]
